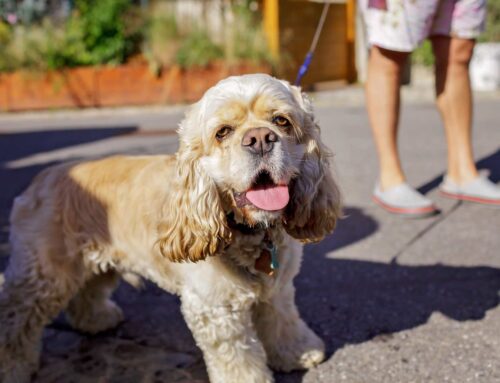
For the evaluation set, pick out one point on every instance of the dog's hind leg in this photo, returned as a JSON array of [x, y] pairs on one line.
[[34, 292], [92, 310]]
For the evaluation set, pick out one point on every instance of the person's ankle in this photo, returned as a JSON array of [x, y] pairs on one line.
[[390, 181], [463, 177]]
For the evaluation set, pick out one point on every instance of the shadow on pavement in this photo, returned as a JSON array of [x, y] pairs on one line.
[[15, 146], [349, 301], [490, 163]]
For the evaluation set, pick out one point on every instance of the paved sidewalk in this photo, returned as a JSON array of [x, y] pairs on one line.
[[395, 300]]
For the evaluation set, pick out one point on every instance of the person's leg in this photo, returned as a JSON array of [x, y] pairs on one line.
[[454, 101], [383, 98]]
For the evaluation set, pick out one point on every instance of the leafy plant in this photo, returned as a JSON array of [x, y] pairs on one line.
[[492, 32], [30, 47], [98, 26], [100, 32], [97, 32], [198, 49], [161, 41], [423, 55], [246, 39], [196, 44]]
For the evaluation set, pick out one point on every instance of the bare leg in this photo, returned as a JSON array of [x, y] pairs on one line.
[[92, 310], [385, 68], [454, 101]]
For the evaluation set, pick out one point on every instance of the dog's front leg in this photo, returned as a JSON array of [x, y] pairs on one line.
[[225, 333], [289, 343]]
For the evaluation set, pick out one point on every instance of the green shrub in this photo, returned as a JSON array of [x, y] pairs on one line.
[[246, 39], [31, 47], [198, 49], [243, 39], [97, 34], [111, 31], [161, 41], [423, 54], [492, 32], [5, 34]]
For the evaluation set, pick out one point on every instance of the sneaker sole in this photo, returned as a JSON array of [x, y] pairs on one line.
[[418, 212], [463, 197]]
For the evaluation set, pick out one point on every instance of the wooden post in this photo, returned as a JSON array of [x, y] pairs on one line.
[[350, 40], [271, 25]]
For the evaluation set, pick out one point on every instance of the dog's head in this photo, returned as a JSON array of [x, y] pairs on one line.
[[250, 147]]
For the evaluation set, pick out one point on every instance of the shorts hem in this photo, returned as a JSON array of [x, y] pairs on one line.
[[399, 48], [458, 35]]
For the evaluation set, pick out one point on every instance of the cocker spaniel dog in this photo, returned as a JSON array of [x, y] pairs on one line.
[[220, 223]]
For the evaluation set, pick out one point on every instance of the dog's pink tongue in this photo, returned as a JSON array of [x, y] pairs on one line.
[[269, 198]]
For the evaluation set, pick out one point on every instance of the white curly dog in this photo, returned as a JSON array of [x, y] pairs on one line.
[[219, 223]]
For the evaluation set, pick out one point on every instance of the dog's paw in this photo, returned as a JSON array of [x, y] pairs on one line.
[[101, 318], [299, 352], [311, 358]]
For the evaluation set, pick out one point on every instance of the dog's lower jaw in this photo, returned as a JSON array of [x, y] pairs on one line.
[[256, 218]]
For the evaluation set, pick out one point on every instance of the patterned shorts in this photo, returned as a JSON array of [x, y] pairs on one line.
[[401, 25]]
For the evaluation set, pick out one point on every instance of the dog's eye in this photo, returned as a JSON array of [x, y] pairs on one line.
[[281, 121], [223, 132]]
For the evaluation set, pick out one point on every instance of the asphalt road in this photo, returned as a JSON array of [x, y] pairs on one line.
[[395, 300]]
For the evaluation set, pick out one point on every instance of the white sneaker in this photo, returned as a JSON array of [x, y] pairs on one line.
[[480, 190], [404, 200]]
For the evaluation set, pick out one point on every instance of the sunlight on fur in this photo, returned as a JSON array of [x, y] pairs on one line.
[[251, 180]]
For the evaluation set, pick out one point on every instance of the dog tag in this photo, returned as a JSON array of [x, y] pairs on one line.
[[264, 262], [268, 260]]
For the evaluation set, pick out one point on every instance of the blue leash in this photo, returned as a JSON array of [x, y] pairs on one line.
[[307, 61]]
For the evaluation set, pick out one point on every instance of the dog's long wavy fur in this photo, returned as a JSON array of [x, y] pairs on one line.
[[80, 226]]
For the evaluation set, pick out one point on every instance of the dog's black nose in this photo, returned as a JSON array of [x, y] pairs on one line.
[[259, 140]]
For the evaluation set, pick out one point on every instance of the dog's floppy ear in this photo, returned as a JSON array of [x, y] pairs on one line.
[[194, 224], [315, 203]]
